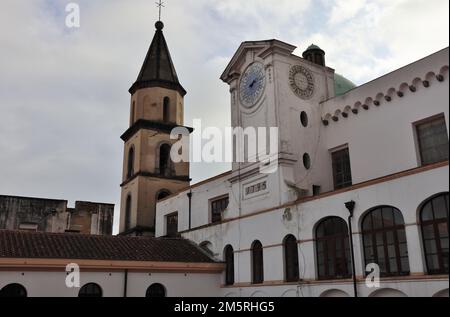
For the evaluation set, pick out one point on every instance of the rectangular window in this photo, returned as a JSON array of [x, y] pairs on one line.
[[432, 139], [172, 225], [218, 206], [342, 173]]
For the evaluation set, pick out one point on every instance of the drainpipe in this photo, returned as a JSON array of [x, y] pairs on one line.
[[351, 208], [190, 208], [125, 284]]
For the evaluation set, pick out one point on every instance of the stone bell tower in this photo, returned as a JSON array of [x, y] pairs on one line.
[[156, 108]]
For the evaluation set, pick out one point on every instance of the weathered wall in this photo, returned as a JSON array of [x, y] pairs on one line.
[[53, 215], [92, 218], [49, 215]]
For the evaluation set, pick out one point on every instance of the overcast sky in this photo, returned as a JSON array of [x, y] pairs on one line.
[[64, 98]]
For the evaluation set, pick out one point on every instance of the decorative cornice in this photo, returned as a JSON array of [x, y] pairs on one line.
[[157, 83], [154, 175], [387, 97], [413, 277], [59, 265], [151, 125]]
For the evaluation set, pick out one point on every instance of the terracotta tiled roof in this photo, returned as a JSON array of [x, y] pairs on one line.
[[21, 244]]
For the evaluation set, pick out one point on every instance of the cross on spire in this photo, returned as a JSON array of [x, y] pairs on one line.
[[160, 5]]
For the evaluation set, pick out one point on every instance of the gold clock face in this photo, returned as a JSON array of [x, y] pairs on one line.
[[301, 81]]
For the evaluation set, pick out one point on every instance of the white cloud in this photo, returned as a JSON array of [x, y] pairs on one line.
[[344, 10], [382, 35]]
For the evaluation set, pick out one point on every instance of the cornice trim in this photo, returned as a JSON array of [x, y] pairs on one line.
[[142, 124], [153, 175]]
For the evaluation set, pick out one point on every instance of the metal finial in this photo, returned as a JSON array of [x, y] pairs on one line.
[[160, 5]]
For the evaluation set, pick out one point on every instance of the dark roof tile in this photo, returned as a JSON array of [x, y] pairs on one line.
[[22, 244], [158, 69]]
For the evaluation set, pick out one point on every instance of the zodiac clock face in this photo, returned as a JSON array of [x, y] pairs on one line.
[[301, 81], [252, 85]]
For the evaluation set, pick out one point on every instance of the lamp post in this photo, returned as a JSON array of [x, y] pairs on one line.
[[351, 208]]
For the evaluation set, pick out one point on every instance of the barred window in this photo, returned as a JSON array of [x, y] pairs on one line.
[[433, 141], [172, 225], [218, 206], [291, 270], [384, 241], [333, 249], [434, 224], [342, 172]]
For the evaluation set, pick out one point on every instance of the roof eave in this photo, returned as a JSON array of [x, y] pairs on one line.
[[266, 47]]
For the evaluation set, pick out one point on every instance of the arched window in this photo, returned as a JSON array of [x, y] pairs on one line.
[[229, 262], [13, 291], [291, 271], [128, 213], [384, 241], [90, 290], [257, 263], [130, 169], [163, 194], [333, 249], [166, 109], [434, 223], [133, 112], [156, 290], [165, 166]]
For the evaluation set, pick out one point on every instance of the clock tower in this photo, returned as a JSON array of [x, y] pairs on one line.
[[156, 108], [273, 88]]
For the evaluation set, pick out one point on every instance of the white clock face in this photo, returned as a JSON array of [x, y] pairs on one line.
[[253, 83], [301, 81]]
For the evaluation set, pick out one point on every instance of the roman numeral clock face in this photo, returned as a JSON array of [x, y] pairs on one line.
[[252, 85], [301, 81]]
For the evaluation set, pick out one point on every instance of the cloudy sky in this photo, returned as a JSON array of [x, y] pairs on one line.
[[64, 98]]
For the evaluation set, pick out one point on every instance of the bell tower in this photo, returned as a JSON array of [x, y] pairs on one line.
[[156, 108]]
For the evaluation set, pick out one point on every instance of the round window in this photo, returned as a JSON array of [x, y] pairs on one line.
[[304, 119], [307, 161]]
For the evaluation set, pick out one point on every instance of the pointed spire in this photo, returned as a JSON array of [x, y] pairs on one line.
[[158, 69]]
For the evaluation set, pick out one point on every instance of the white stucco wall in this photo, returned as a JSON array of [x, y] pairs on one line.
[[381, 141], [52, 284], [405, 193]]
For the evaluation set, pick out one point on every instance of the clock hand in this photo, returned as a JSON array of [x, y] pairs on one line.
[[253, 83]]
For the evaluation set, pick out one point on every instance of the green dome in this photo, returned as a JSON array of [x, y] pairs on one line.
[[313, 47], [342, 85]]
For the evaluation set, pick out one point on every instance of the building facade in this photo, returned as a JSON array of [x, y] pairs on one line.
[[50, 215], [373, 157]]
